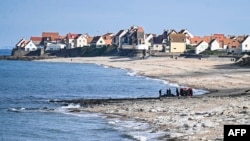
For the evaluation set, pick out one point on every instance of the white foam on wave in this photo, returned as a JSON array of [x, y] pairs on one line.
[[71, 106], [137, 130], [17, 109], [69, 110], [132, 73], [106, 67]]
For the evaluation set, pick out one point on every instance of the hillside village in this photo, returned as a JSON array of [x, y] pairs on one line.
[[134, 38]]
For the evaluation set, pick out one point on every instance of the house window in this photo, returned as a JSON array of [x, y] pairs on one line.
[[245, 45], [174, 48], [80, 40], [100, 41], [30, 44]]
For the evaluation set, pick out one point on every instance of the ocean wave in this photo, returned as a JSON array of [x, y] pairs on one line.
[[131, 73], [19, 109], [136, 130]]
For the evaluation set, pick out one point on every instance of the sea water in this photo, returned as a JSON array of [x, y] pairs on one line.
[[27, 115]]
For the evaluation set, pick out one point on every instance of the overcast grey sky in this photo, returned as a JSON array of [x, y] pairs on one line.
[[25, 18]]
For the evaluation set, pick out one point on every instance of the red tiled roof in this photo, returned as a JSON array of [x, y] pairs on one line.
[[52, 35], [72, 36], [89, 39], [231, 42], [140, 29], [36, 38]]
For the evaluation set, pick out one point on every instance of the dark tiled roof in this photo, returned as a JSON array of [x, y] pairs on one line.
[[158, 39], [95, 39]]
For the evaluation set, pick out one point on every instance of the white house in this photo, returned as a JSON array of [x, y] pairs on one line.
[[187, 33], [70, 40], [214, 45], [245, 45], [55, 46], [148, 40], [30, 46], [21, 43], [98, 42], [202, 46], [80, 41]]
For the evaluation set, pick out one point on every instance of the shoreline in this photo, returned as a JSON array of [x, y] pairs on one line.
[[197, 118], [218, 82]]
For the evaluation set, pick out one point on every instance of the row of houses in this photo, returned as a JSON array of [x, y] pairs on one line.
[[134, 38]]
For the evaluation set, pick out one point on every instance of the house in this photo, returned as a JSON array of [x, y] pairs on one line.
[[21, 44], [231, 45], [89, 40], [108, 37], [52, 35], [187, 33], [245, 44], [135, 36], [197, 39], [148, 39], [202, 46], [38, 41], [30, 46], [219, 37], [157, 43], [98, 42], [177, 43], [80, 41], [55, 46], [70, 40], [214, 45], [117, 38]]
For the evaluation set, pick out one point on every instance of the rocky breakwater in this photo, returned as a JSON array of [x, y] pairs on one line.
[[197, 118], [26, 58]]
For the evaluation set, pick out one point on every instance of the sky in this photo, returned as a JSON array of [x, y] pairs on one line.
[[25, 18]]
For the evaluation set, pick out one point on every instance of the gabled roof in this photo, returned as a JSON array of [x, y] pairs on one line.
[[20, 41], [200, 43], [119, 33], [95, 39], [52, 35], [72, 36], [80, 35], [89, 39], [38, 39], [178, 38], [172, 31], [158, 39], [140, 29], [244, 39], [213, 40], [108, 34]]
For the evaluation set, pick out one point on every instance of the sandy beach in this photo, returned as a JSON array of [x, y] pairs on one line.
[[197, 118]]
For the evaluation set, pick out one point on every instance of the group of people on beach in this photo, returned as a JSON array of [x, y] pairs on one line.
[[182, 92]]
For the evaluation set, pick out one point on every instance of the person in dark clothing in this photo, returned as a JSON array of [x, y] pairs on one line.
[[188, 92], [160, 93], [191, 92], [181, 92], [169, 91], [177, 92]]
